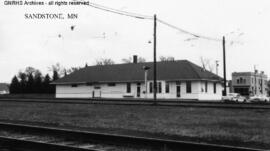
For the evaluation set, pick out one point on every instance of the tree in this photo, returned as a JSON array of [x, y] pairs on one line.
[[206, 64], [29, 70], [106, 61], [23, 82], [163, 58], [72, 69], [46, 87], [14, 85], [141, 60], [127, 60], [60, 70], [55, 75], [29, 83], [37, 87]]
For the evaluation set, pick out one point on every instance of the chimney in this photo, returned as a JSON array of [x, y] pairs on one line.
[[135, 59]]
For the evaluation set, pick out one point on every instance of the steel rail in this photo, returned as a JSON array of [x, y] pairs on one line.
[[18, 144]]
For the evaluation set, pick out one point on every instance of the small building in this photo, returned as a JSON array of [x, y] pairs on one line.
[[249, 83], [4, 88], [175, 80]]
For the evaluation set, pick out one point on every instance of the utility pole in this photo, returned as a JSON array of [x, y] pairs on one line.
[[155, 61], [224, 67]]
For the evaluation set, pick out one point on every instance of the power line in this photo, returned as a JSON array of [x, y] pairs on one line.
[[140, 16], [119, 12], [125, 12], [187, 32]]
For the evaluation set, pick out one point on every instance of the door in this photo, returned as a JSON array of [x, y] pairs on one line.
[[138, 90], [97, 92], [178, 91]]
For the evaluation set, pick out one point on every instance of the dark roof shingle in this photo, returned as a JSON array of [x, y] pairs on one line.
[[171, 70]]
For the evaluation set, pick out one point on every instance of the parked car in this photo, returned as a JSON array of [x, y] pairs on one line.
[[258, 98], [264, 98], [233, 97]]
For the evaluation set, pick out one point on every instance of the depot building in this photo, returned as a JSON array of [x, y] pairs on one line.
[[180, 79]]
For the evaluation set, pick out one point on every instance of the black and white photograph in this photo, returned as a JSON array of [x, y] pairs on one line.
[[134, 75]]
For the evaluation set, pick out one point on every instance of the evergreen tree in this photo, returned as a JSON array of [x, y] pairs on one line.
[[14, 85], [30, 84], [38, 83], [22, 83], [47, 88], [55, 75]]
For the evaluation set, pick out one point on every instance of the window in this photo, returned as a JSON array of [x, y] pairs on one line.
[[159, 88], [167, 87], [89, 84], [237, 81], [241, 80], [74, 85], [96, 87], [111, 84], [215, 87], [128, 87], [206, 86], [151, 87], [188, 86]]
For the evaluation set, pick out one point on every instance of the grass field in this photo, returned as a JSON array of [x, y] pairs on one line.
[[244, 127]]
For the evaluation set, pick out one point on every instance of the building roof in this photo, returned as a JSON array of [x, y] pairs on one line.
[[261, 74], [169, 71], [4, 87]]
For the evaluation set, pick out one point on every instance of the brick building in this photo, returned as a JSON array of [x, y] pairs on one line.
[[249, 83]]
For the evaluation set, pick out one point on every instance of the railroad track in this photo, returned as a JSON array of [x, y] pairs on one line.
[[35, 138], [39, 138], [174, 103]]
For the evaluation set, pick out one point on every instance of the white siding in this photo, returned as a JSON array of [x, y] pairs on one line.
[[119, 91], [210, 95], [84, 91], [66, 91]]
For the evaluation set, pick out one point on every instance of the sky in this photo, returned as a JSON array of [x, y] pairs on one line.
[[100, 34]]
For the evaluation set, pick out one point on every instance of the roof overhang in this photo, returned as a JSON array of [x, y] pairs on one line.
[[104, 82]]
